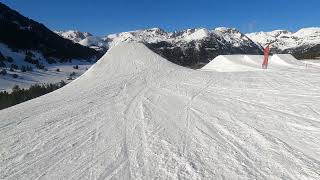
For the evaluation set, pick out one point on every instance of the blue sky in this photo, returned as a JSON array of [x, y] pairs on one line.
[[102, 17]]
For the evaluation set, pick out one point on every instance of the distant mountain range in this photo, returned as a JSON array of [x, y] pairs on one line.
[[196, 47], [84, 39], [191, 47], [304, 44]]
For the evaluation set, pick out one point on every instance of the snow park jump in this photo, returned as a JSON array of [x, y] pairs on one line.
[[162, 103], [241, 63], [135, 115]]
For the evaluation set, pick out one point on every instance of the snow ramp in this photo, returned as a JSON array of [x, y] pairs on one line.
[[233, 63], [134, 115], [286, 60], [242, 63]]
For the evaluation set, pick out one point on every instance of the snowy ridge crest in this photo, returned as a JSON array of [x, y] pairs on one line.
[[85, 39], [154, 35], [284, 39]]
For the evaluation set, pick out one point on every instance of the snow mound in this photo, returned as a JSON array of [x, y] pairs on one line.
[[256, 60], [232, 63], [134, 115], [131, 61], [239, 63], [286, 60]]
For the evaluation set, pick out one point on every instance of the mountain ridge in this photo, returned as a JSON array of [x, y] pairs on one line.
[[190, 47], [194, 46], [303, 43], [31, 53], [20, 32]]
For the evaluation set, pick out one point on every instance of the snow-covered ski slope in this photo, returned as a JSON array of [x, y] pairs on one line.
[[134, 115], [239, 63]]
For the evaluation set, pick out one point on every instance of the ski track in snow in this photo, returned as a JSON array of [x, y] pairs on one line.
[[134, 115]]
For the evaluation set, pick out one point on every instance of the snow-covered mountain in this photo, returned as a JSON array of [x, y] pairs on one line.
[[190, 47], [75, 36], [183, 47], [283, 39], [85, 39], [155, 35], [298, 42], [193, 46], [147, 36], [21, 33], [233, 36], [31, 53]]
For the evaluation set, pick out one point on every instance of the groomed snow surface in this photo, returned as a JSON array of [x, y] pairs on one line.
[[134, 115]]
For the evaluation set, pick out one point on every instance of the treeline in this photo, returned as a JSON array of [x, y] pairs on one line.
[[19, 95]]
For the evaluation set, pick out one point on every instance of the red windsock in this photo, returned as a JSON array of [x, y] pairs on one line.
[[266, 56]]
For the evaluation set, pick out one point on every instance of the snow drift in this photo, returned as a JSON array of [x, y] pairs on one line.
[[234, 63], [134, 115]]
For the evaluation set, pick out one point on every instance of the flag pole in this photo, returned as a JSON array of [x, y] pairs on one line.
[[266, 57]]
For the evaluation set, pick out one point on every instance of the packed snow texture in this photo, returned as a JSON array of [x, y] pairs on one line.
[[134, 115]]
